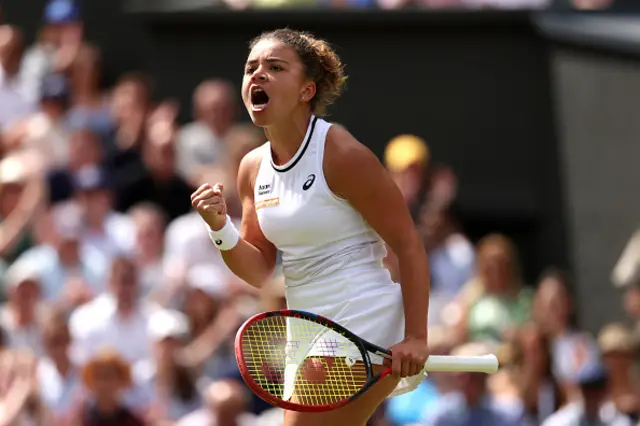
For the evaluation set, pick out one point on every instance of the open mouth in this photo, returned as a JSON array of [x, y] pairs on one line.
[[259, 98]]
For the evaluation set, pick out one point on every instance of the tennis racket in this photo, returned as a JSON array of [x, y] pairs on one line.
[[300, 361]]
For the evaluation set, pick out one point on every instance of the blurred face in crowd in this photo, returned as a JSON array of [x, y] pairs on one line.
[[56, 340], [123, 282], [10, 195], [276, 70], [107, 383], [472, 385], [149, 233], [128, 98], [214, 104], [495, 265], [552, 306], [97, 203], [409, 181], [434, 227], [199, 306], [68, 251], [63, 33], [24, 296], [11, 49], [227, 400], [84, 149], [160, 159]]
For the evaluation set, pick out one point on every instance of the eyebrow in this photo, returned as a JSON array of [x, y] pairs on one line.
[[270, 60]]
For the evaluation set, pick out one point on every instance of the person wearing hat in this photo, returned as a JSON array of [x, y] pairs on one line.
[[619, 347], [56, 46], [595, 407], [106, 376]]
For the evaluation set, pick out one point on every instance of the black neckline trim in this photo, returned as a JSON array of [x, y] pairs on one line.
[[300, 153]]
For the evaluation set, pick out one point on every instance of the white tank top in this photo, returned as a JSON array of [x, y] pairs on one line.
[[322, 238]]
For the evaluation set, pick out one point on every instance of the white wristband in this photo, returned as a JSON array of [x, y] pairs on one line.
[[225, 238]]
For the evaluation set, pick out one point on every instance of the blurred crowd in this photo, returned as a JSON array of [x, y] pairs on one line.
[[117, 309]]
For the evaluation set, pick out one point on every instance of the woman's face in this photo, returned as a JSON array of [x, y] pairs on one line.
[[106, 383], [495, 268], [552, 307], [198, 305], [274, 83]]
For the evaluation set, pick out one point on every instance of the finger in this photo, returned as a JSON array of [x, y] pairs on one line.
[[205, 206], [218, 188], [208, 200], [396, 365], [200, 190], [416, 367], [406, 368], [207, 193]]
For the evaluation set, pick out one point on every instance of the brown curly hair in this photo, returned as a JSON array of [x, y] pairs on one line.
[[322, 64]]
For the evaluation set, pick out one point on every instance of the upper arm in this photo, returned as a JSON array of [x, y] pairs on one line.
[[250, 230], [370, 191]]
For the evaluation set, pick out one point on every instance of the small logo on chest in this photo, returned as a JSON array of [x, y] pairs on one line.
[[264, 189], [307, 183]]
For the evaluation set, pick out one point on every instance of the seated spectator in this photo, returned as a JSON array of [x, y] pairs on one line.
[[89, 108], [69, 273], [85, 152], [59, 381], [105, 230], [130, 103], [149, 222], [619, 348], [227, 405], [200, 144], [571, 348], [118, 318], [21, 316], [594, 407], [497, 300], [170, 387], [156, 180], [472, 405], [106, 376]]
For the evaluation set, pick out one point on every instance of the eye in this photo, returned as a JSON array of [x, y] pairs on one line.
[[249, 69], [276, 68]]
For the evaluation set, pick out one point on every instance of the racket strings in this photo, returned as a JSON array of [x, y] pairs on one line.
[[302, 362]]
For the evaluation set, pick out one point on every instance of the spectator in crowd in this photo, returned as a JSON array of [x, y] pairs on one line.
[[594, 406], [14, 104], [170, 386], [18, 395], [571, 348], [69, 274], [56, 46], [118, 318], [226, 405], [104, 229], [201, 143], [619, 348], [45, 131], [106, 376], [21, 315], [89, 107], [59, 380], [130, 103], [156, 180], [496, 301], [149, 223]]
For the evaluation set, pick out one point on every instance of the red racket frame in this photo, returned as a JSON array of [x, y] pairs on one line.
[[364, 346]]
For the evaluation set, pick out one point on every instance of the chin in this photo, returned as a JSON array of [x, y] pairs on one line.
[[260, 119]]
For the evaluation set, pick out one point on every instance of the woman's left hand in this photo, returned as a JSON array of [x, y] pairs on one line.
[[408, 357]]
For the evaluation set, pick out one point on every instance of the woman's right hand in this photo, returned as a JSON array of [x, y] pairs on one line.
[[210, 205]]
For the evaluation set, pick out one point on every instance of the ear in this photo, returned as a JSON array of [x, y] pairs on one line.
[[308, 91]]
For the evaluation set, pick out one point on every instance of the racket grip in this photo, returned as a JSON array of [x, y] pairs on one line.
[[469, 364]]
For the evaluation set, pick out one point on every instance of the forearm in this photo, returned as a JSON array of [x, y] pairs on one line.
[[249, 263], [415, 283]]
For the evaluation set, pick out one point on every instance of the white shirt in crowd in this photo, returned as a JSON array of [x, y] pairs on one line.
[[97, 324], [573, 415], [59, 393], [14, 105]]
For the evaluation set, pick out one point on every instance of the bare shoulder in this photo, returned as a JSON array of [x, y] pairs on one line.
[[343, 149], [343, 154], [249, 167]]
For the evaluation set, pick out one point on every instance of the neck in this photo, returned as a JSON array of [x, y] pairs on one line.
[[285, 138], [125, 310], [107, 404], [63, 365]]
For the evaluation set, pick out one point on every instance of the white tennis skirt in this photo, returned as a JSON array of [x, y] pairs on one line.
[[369, 304]]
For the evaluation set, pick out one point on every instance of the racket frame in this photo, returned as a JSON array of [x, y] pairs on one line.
[[364, 347]]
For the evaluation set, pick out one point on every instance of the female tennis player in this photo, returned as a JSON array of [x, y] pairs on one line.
[[322, 198]]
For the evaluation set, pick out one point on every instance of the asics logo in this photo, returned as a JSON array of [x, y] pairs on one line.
[[307, 183]]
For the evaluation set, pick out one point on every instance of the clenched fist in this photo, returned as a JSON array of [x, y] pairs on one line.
[[210, 205]]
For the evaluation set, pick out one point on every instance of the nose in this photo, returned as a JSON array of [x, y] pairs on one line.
[[259, 76]]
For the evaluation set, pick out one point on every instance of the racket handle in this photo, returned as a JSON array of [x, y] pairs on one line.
[[469, 364]]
